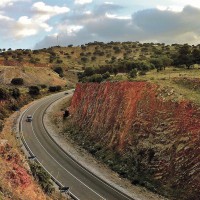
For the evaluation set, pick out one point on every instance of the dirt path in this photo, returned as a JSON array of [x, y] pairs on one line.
[[55, 126]]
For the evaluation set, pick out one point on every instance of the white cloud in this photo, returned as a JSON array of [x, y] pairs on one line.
[[70, 30], [183, 3], [109, 2], [28, 26], [82, 1], [88, 12], [113, 16], [44, 12], [170, 8], [2, 17], [4, 3], [147, 25], [41, 7]]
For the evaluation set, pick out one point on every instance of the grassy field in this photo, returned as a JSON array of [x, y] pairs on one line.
[[167, 79]]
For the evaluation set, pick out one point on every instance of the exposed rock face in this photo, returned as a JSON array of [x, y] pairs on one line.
[[151, 140]]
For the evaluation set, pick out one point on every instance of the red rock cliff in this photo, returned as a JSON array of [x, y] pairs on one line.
[[156, 140]]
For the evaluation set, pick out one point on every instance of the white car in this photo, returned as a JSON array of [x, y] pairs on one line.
[[29, 118]]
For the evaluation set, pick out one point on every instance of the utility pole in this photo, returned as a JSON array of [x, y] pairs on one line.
[[57, 40]]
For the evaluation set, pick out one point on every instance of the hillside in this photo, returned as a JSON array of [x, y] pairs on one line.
[[97, 54], [170, 73], [30, 75], [143, 132]]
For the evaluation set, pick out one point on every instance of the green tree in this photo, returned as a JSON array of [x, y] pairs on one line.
[[133, 73], [89, 71], [59, 71], [96, 78], [158, 63], [184, 56], [17, 81], [34, 90], [15, 93], [196, 56]]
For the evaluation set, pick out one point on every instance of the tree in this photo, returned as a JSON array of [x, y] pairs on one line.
[[59, 71], [166, 61], [106, 75], [3, 94], [84, 59], [15, 93], [34, 90], [196, 56], [184, 56], [55, 88], [17, 81], [96, 78], [133, 73], [89, 71], [158, 63], [66, 114]]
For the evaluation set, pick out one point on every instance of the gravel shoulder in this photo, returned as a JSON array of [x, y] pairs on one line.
[[55, 126]]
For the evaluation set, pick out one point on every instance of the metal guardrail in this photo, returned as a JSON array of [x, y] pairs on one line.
[[60, 186]]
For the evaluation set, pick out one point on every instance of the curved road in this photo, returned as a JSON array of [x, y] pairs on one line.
[[82, 183]]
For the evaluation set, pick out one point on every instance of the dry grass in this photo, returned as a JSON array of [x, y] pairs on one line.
[[30, 75], [29, 190], [166, 78]]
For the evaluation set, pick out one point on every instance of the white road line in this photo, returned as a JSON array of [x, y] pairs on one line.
[[107, 184], [90, 173], [60, 164]]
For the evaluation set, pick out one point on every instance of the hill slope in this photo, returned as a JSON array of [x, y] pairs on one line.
[[141, 134], [30, 75]]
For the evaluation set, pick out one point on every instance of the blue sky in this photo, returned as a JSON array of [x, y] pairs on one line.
[[38, 24]]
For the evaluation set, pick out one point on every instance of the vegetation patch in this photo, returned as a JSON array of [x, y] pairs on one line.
[[42, 177]]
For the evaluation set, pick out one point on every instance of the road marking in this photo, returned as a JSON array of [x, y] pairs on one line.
[[75, 162], [59, 163], [83, 168]]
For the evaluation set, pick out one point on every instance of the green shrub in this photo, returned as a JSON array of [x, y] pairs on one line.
[[59, 71], [17, 81], [133, 73], [3, 94], [15, 93], [55, 88], [42, 177], [34, 90]]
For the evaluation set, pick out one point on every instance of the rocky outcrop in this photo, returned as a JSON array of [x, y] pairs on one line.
[[142, 133]]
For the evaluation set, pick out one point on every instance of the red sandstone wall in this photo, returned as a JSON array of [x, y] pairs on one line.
[[132, 118]]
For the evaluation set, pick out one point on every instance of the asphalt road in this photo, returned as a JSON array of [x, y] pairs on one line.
[[82, 183]]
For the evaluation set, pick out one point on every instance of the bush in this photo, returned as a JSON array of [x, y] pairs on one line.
[[106, 75], [96, 78], [133, 73], [66, 114], [15, 93], [59, 61], [43, 86], [59, 71], [3, 94], [55, 88], [42, 177], [34, 90], [84, 59], [17, 81], [142, 73]]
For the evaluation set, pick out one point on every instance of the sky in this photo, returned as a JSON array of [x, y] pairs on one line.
[[33, 24]]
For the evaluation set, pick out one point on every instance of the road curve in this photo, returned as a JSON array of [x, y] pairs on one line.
[[68, 172]]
